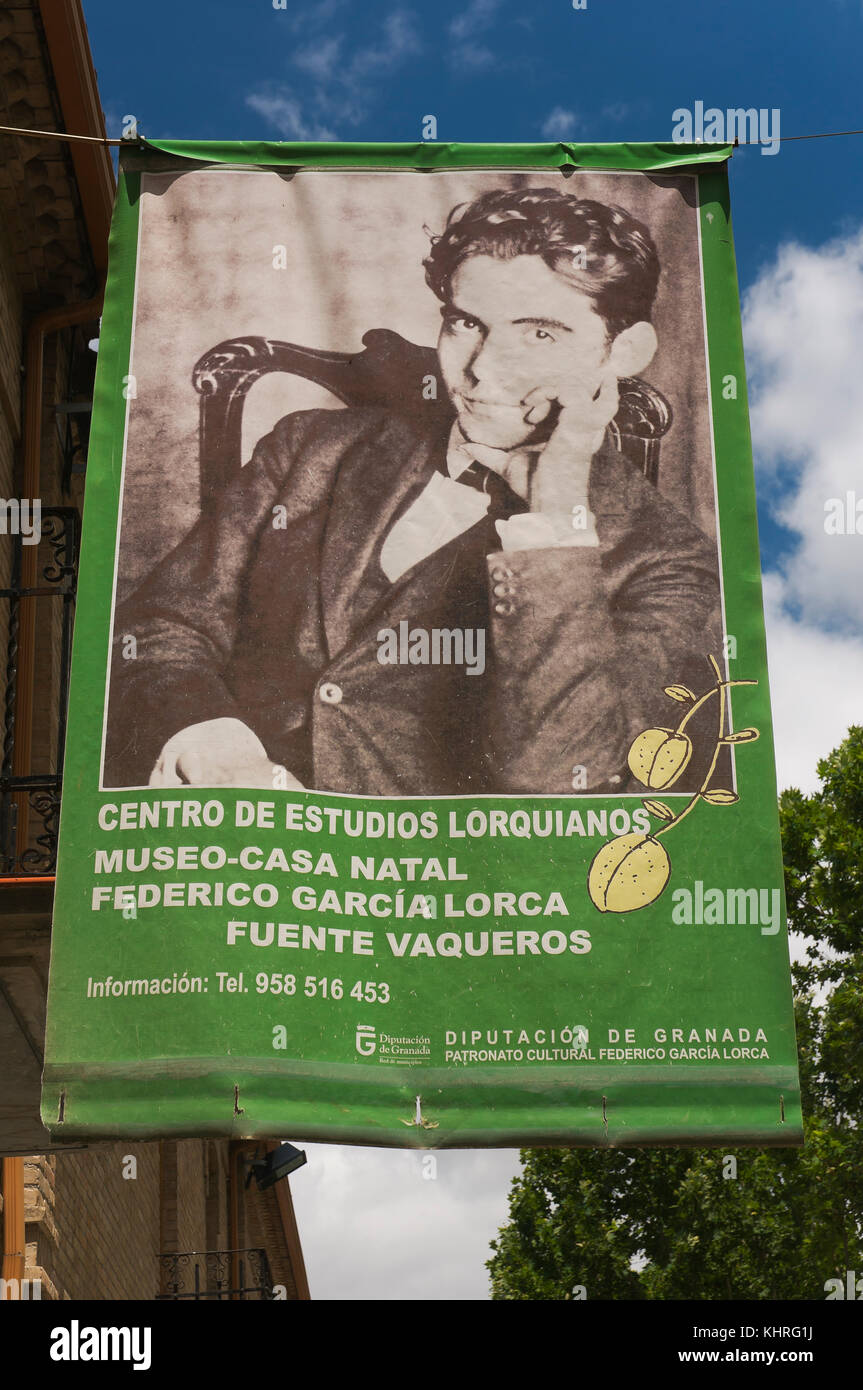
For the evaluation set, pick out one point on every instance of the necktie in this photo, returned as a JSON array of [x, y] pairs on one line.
[[504, 501]]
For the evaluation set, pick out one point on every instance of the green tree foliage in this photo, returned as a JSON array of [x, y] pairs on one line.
[[675, 1223]]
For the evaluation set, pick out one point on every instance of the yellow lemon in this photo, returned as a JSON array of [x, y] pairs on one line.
[[658, 756], [628, 873]]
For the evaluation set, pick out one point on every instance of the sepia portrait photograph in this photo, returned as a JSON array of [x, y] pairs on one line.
[[418, 491]]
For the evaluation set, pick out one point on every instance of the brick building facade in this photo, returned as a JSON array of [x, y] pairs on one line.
[[109, 1220]]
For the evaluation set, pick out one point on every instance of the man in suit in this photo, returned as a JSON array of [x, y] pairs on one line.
[[260, 640]]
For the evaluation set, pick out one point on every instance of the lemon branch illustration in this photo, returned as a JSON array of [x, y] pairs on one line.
[[633, 870]]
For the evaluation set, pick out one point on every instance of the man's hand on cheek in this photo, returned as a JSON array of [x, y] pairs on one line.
[[560, 479]]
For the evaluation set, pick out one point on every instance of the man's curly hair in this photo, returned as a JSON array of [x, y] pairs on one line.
[[621, 268]]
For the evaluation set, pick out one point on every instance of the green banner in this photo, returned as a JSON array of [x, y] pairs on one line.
[[419, 781]]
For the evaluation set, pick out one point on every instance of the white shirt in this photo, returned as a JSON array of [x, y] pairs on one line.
[[446, 508]]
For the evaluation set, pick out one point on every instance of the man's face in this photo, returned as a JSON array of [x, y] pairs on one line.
[[512, 328]]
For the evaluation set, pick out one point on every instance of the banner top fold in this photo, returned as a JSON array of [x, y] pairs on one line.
[[442, 155]]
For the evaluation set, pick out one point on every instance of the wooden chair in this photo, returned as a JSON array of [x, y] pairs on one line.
[[388, 372]]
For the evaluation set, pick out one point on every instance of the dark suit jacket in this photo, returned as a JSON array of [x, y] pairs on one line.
[[252, 618]]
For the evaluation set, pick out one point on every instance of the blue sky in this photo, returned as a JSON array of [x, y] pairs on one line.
[[496, 70], [373, 1225]]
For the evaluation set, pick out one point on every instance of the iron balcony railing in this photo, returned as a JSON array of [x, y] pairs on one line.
[[200, 1274], [60, 531]]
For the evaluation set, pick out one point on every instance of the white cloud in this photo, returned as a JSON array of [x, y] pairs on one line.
[[803, 324], [286, 115], [559, 124], [317, 15], [399, 40], [479, 16], [373, 1227], [816, 689], [803, 327], [464, 53], [355, 84], [343, 86], [472, 55], [319, 59]]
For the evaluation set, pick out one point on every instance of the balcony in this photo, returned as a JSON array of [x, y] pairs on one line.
[[30, 800], [222, 1274], [37, 609]]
